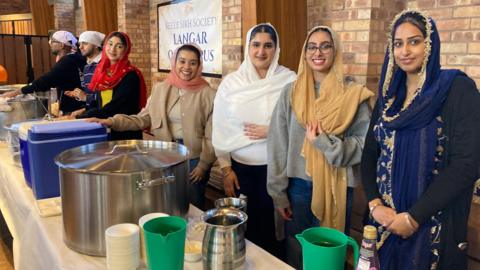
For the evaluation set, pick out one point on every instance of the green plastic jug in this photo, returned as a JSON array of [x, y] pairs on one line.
[[165, 242], [325, 248]]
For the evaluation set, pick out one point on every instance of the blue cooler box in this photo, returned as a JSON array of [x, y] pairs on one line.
[[23, 146], [46, 141]]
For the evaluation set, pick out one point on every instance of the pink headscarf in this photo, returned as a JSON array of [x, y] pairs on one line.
[[196, 83]]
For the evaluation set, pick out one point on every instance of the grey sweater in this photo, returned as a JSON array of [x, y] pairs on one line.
[[285, 140]]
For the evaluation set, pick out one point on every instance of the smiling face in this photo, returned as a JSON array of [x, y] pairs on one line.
[[409, 48], [319, 52], [186, 65], [261, 51], [115, 49]]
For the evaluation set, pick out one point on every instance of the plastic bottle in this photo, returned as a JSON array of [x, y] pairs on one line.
[[368, 259]]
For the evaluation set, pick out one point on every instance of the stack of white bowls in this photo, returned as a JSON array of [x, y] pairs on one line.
[[142, 221], [123, 246]]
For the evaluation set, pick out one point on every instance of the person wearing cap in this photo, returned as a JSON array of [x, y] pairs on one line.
[[91, 48], [64, 75]]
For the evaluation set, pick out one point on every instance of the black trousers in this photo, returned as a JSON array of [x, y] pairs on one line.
[[260, 210]]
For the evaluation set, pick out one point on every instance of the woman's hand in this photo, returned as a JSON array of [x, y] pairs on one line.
[[384, 215], [254, 131], [314, 128], [403, 225], [230, 181], [285, 213], [106, 122], [77, 93], [196, 175]]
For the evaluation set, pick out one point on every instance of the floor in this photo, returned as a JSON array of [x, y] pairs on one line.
[[6, 258]]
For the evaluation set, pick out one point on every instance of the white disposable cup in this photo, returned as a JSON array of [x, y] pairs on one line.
[[122, 243]]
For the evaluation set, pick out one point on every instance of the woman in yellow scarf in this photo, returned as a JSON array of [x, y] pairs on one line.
[[316, 137]]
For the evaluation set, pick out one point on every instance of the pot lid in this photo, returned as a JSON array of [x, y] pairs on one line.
[[122, 156]]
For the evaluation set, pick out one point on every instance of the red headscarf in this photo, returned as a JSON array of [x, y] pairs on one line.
[[196, 83], [102, 81]]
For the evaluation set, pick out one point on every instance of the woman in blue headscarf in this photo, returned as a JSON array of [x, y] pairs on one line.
[[421, 153]]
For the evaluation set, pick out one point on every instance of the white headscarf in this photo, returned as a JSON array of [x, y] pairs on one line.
[[244, 97], [92, 37], [66, 38]]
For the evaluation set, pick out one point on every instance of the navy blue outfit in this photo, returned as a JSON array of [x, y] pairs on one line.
[[93, 99], [424, 159]]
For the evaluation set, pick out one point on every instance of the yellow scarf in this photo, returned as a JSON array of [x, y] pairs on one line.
[[335, 109]]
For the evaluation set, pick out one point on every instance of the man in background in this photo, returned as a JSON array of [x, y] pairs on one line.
[[64, 75], [91, 48]]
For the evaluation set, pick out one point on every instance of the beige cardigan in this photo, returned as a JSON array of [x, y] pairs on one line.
[[196, 109]]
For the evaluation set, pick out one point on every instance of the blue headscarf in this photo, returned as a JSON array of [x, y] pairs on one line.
[[410, 137]]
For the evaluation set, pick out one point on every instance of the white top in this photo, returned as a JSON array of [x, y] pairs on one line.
[[243, 97], [253, 154]]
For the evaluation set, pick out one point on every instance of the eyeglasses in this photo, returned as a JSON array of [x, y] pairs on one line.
[[323, 48]]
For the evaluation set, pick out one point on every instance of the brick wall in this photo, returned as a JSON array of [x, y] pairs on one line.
[[14, 6], [232, 36], [134, 19], [232, 40], [458, 22], [64, 15], [79, 21], [362, 26], [382, 13], [156, 76]]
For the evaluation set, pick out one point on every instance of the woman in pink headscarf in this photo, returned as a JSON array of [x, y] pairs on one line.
[[180, 109]]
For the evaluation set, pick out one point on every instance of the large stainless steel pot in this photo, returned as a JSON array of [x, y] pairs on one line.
[[22, 109], [107, 183]]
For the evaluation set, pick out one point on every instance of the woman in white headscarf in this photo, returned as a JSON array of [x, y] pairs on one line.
[[241, 116]]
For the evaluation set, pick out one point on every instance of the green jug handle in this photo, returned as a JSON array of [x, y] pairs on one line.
[[351, 242]]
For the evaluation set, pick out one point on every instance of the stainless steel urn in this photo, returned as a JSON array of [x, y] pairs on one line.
[[107, 183], [22, 108]]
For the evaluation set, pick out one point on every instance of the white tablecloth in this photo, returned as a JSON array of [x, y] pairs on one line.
[[37, 241]]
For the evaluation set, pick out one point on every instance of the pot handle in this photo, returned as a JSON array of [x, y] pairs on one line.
[[148, 183], [128, 146]]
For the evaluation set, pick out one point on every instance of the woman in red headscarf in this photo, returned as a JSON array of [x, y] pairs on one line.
[[180, 110], [120, 85]]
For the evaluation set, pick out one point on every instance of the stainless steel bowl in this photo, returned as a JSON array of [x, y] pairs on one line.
[[231, 202]]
